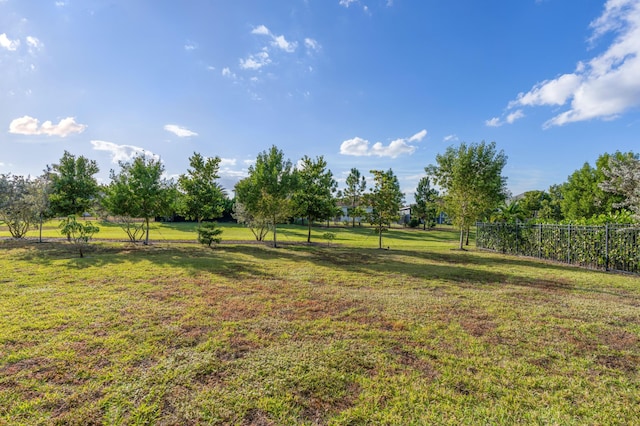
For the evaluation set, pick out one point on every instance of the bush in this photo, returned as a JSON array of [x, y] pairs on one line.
[[414, 222], [209, 233]]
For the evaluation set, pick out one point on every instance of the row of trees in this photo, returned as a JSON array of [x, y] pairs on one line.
[[469, 176], [606, 193]]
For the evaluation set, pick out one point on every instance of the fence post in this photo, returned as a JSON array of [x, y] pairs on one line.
[[539, 240], [606, 247], [569, 244]]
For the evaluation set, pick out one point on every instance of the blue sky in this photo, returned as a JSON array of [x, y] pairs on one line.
[[371, 84]]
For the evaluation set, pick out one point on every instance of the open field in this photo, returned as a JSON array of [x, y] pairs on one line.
[[176, 333]]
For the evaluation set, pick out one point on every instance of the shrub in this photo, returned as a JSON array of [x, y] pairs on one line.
[[209, 233]]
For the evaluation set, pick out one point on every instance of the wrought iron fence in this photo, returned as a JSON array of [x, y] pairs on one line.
[[612, 247]]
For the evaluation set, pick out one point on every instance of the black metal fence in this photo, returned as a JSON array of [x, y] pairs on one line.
[[612, 247]]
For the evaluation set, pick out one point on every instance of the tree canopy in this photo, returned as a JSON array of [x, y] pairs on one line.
[[201, 195], [353, 195], [73, 186], [315, 186], [267, 191], [426, 199], [471, 177], [385, 200]]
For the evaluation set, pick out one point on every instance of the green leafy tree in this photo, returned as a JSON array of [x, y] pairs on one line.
[[471, 176], [17, 209], [202, 197], [74, 188], [426, 206], [353, 195], [550, 206], [266, 192], [38, 196], [209, 233], [313, 198], [531, 203], [258, 224], [622, 177], [385, 201], [80, 232], [508, 212], [139, 191]]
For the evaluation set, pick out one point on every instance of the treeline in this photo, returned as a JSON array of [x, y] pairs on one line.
[[468, 175]]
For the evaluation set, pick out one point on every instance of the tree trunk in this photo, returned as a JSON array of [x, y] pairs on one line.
[[380, 236], [424, 224], [353, 225], [146, 240], [275, 239], [468, 230], [40, 238], [309, 234], [461, 237]]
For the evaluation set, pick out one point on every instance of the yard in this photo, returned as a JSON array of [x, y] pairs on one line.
[[340, 333]]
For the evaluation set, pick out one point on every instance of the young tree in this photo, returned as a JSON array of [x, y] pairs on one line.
[[267, 191], [313, 197], [623, 177], [139, 191], [38, 195], [202, 197], [385, 201], [17, 211], [259, 225], [426, 198], [73, 186], [353, 195], [508, 212], [471, 176], [80, 233]]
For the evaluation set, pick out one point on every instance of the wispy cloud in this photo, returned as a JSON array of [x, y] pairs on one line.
[[255, 62], [360, 147], [179, 131], [122, 153], [603, 87], [278, 41], [189, 45], [450, 138], [31, 126]]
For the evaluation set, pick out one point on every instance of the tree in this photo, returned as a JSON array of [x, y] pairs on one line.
[[550, 209], [17, 210], [202, 197], [73, 185], [531, 203], [38, 195], [313, 198], [209, 233], [80, 233], [385, 201], [471, 176], [508, 212], [622, 177], [258, 224], [426, 198], [266, 192], [139, 191], [353, 195]]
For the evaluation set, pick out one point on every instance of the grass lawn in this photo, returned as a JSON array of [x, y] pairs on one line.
[[176, 333]]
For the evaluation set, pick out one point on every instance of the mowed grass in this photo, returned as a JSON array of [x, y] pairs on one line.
[[176, 333]]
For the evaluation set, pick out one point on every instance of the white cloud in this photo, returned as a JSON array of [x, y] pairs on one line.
[[514, 116], [249, 162], [190, 46], [179, 131], [34, 42], [60, 4], [494, 122], [31, 126], [603, 87], [226, 72], [278, 41], [347, 3], [255, 62], [311, 44], [226, 162], [7, 43], [281, 43], [450, 138], [360, 147], [261, 30], [418, 136], [122, 153]]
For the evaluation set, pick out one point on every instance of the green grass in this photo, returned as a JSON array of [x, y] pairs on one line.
[[177, 333]]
